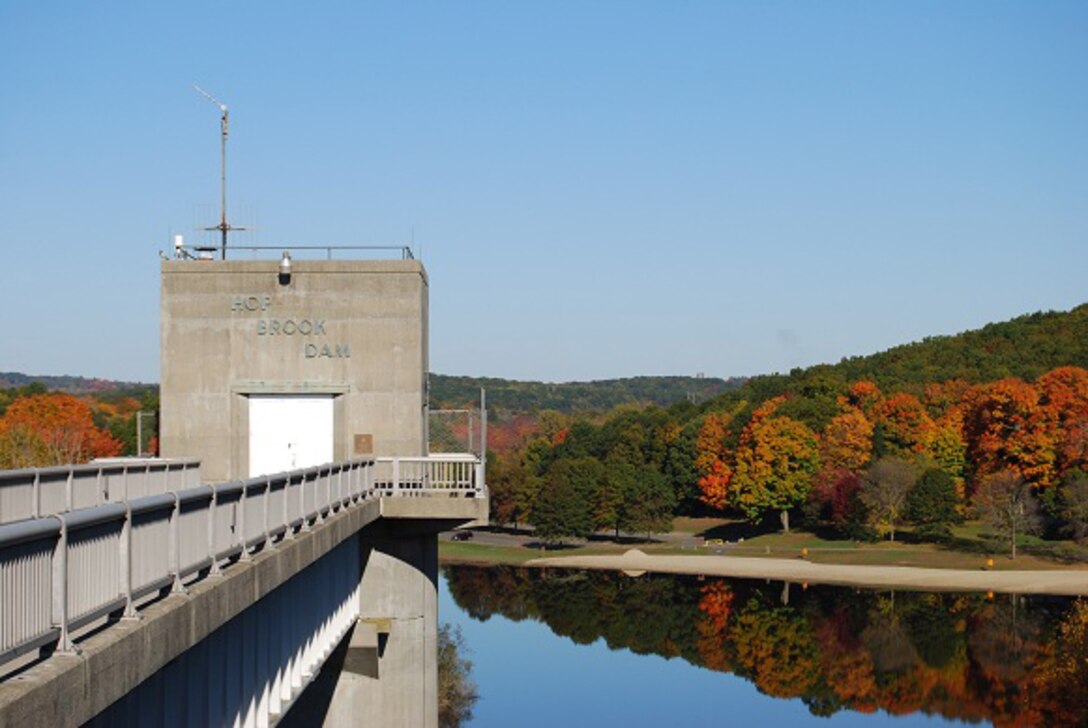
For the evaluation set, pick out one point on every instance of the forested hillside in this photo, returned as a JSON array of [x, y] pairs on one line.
[[1025, 347], [921, 434], [598, 396]]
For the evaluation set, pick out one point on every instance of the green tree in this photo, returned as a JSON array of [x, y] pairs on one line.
[[564, 505], [648, 503], [1074, 505], [932, 504]]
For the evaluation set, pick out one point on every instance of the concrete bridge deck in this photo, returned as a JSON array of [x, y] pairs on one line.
[[232, 560]]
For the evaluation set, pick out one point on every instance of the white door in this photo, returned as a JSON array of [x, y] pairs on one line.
[[288, 432]]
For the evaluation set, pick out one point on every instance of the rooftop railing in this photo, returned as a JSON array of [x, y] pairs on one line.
[[329, 252], [67, 570]]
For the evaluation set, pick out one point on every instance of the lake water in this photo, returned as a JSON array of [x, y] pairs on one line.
[[562, 648]]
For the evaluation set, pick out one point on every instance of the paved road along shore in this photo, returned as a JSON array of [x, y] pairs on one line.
[[1069, 582]]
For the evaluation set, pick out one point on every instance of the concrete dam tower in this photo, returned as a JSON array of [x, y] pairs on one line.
[[271, 365]]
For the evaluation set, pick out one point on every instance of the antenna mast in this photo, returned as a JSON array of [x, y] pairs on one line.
[[223, 227]]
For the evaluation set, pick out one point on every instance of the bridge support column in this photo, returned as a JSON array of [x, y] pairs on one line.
[[388, 673]]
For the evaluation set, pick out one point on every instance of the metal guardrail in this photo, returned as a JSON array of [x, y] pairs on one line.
[[404, 251], [38, 492], [455, 473], [64, 571]]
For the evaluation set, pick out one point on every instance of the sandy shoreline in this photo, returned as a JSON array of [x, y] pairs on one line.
[[1070, 583]]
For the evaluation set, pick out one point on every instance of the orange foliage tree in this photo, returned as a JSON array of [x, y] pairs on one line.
[[710, 460], [907, 426], [863, 395], [848, 441], [1006, 429], [1063, 397], [52, 429]]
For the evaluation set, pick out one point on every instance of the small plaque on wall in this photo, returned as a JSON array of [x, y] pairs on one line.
[[364, 444]]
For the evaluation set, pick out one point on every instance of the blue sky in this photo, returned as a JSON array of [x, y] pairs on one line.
[[599, 189]]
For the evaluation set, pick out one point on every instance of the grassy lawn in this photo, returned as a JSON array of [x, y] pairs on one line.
[[970, 546], [482, 553]]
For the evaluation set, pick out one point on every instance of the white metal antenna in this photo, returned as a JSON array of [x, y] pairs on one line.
[[224, 121]]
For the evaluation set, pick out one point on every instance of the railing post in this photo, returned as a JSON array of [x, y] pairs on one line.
[[288, 532], [265, 509], [396, 476], [37, 493], [60, 590], [68, 489], [175, 546], [126, 565], [240, 509], [305, 526], [213, 506]]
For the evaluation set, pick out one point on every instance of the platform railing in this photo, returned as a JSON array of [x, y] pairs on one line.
[[64, 571], [38, 492], [449, 473]]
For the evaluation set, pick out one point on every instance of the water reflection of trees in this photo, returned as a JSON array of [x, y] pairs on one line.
[[1012, 660]]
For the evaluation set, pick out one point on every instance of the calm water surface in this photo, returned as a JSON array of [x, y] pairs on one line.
[[569, 648]]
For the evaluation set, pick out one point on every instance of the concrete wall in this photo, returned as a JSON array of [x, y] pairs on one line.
[[356, 330]]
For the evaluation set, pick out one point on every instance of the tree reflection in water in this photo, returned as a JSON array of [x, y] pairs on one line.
[[1013, 660]]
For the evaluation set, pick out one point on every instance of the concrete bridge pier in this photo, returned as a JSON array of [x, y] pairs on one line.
[[385, 672]]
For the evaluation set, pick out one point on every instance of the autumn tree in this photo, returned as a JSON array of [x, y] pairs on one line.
[[1006, 503], [884, 491], [511, 487], [776, 459], [1007, 430], [863, 395], [1063, 398], [907, 427], [835, 498], [52, 429], [847, 443], [710, 460]]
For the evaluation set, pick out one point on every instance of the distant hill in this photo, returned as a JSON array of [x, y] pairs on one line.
[[455, 391], [522, 396], [71, 384], [1024, 347]]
